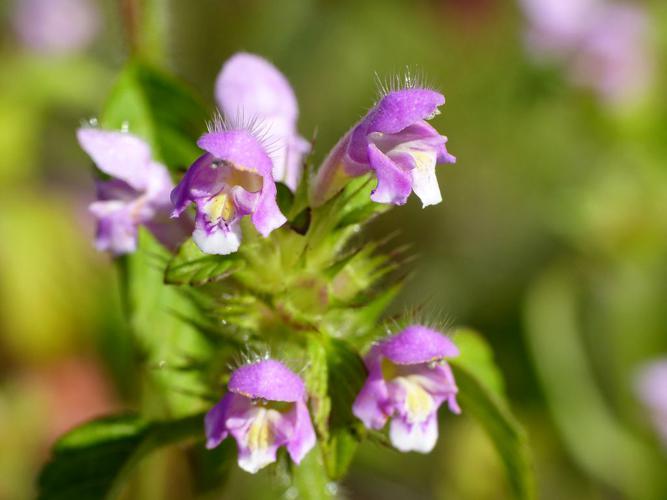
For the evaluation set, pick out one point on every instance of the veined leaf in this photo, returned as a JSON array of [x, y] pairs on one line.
[[190, 266], [90, 461]]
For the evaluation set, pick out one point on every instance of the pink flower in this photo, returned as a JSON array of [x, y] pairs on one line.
[[396, 144], [407, 382], [652, 390], [136, 194], [231, 180], [250, 87], [264, 409]]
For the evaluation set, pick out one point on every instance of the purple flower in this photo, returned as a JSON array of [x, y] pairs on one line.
[[652, 390], [408, 380], [395, 143], [556, 26], [607, 47], [137, 193], [56, 26], [251, 87], [264, 409], [616, 56], [231, 180]]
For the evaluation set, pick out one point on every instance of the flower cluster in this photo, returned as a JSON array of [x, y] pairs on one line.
[[607, 46], [408, 379], [244, 155]]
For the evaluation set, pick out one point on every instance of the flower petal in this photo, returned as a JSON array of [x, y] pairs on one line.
[[302, 439], [371, 402], [116, 228], [401, 108], [259, 432], [424, 181], [417, 344], [267, 216], [289, 169], [394, 184], [201, 180], [250, 85], [239, 147], [253, 459], [419, 437], [218, 240], [214, 422], [267, 379], [119, 154]]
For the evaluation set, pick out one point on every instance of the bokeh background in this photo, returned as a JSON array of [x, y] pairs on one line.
[[551, 240]]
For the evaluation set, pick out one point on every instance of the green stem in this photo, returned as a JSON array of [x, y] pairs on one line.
[[145, 24], [129, 10]]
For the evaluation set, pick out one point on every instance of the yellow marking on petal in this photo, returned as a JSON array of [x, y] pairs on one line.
[[221, 206], [424, 160], [259, 434], [418, 402]]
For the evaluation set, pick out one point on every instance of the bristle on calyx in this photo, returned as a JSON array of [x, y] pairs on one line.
[[409, 79], [259, 129]]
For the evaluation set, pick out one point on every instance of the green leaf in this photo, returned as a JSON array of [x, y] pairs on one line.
[[336, 376], [477, 357], [163, 339], [190, 266], [90, 461], [159, 109], [358, 207], [491, 411]]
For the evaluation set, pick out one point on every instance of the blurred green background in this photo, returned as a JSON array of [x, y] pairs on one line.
[[551, 240]]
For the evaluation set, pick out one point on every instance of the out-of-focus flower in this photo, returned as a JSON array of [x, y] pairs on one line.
[[616, 57], [556, 26], [652, 390], [250, 87], [408, 380], [606, 46], [231, 180], [264, 409], [56, 26], [395, 143], [137, 193]]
